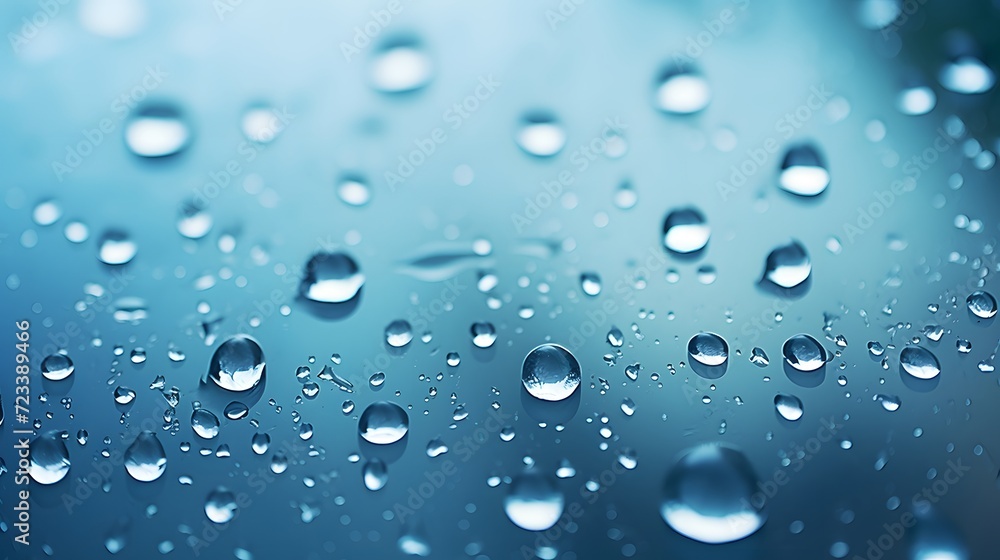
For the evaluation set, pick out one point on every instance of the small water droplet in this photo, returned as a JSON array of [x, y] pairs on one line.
[[685, 231], [331, 278], [156, 131], [803, 172], [540, 135], [57, 367]]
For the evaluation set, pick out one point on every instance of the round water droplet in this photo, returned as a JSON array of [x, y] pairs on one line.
[[625, 196], [685, 231], [156, 131], [237, 364], [220, 506], [788, 406], [46, 213], [400, 66], [49, 458], [709, 496], [982, 304], [708, 349], [331, 278], [261, 124], [116, 248], [550, 372], [453, 359], [967, 74], [682, 92], [398, 334], [919, 362], [260, 443], [204, 423], [377, 379], [124, 395], [483, 334], [375, 474], [804, 353], [353, 191], [383, 423], [590, 282], [917, 100], [889, 402], [803, 172], [788, 266], [533, 502], [541, 135], [194, 222], [57, 367], [145, 459]]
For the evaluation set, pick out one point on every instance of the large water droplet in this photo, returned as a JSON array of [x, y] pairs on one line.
[[708, 348], [682, 92], [156, 131], [383, 423], [982, 304], [685, 230], [49, 458], [194, 222], [204, 423], [788, 266], [116, 248], [400, 66], [237, 364], [220, 506], [803, 172], [483, 334], [967, 74], [709, 496], [919, 362], [398, 334], [145, 459], [788, 406], [550, 372], [331, 278], [590, 283], [804, 353], [541, 135], [916, 100], [57, 367], [533, 502]]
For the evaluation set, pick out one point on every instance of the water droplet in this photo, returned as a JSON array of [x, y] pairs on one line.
[[156, 131], [875, 348], [57, 367], [49, 458], [919, 362], [194, 222], [685, 231], [377, 379], [709, 496], [237, 364], [436, 448], [804, 353], [261, 124], [220, 506], [682, 91], [625, 196], [331, 278], [46, 213], [124, 395], [400, 66], [708, 349], [353, 190], [398, 334], [116, 248], [541, 135], [788, 406], [260, 442], [758, 357], [917, 100], [788, 266], [453, 359], [590, 282], [803, 172], [145, 459], [982, 304], [383, 423], [204, 423], [375, 474], [615, 337], [550, 372], [533, 502], [483, 334], [967, 74], [236, 410], [889, 402]]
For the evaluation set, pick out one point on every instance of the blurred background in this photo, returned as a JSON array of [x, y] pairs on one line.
[[430, 191]]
